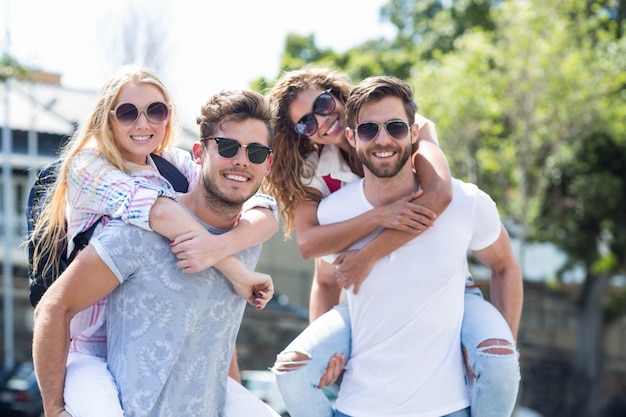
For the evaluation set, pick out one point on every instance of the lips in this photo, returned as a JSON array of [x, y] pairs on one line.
[[142, 138], [333, 128], [236, 177], [383, 155]]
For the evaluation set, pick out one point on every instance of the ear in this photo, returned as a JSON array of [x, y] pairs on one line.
[[350, 137], [269, 162], [197, 152], [415, 131]]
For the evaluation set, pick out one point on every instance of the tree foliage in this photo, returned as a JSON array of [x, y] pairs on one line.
[[11, 68]]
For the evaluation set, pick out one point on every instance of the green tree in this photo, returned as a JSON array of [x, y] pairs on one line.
[[518, 109], [11, 68]]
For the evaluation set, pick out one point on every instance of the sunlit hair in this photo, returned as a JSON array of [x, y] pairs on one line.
[[378, 88], [236, 106], [284, 182], [95, 132]]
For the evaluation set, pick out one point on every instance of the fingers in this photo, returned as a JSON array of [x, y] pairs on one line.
[[467, 364], [182, 238], [339, 259], [262, 298], [188, 267], [412, 196], [343, 281], [332, 372]]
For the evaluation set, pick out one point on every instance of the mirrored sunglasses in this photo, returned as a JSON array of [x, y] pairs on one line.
[[128, 113], [397, 129], [228, 148], [323, 105]]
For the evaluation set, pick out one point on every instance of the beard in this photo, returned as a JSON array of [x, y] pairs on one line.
[[385, 170], [222, 202]]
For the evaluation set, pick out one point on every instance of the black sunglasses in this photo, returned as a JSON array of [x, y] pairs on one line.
[[323, 105], [128, 113], [228, 148], [397, 129]]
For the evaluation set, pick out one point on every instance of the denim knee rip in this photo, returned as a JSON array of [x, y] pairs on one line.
[[289, 361]]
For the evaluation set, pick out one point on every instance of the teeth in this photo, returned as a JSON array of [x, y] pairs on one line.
[[236, 177], [383, 154], [333, 127], [140, 138]]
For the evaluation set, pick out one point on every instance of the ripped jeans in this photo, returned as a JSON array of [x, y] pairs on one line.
[[485, 335]]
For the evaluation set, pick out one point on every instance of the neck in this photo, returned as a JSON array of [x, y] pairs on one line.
[[210, 210], [382, 191]]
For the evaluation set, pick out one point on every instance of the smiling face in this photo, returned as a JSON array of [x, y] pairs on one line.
[[330, 128], [384, 156], [234, 180], [142, 137]]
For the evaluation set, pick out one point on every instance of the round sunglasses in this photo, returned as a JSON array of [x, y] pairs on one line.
[[397, 129], [128, 113], [323, 105], [228, 148]]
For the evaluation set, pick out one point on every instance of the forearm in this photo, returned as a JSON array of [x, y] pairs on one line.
[[332, 238], [170, 219], [433, 171], [234, 270], [507, 294], [385, 243], [325, 291], [255, 227], [50, 348]]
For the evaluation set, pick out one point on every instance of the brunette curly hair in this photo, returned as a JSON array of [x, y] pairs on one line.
[[284, 182]]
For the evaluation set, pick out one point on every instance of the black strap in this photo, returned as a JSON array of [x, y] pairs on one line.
[[81, 240], [171, 173]]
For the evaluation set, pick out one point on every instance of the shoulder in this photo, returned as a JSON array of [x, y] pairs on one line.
[[124, 238], [467, 190], [180, 158], [85, 157], [260, 200], [87, 162], [344, 199], [173, 153]]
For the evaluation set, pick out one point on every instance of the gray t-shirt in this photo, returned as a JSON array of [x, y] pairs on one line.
[[170, 335]]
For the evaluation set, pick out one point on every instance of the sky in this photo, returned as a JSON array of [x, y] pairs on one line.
[[212, 44]]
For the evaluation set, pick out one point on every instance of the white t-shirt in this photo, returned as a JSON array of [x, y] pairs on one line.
[[406, 319]]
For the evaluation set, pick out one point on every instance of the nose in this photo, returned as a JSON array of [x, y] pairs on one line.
[[241, 157], [142, 120], [383, 136], [320, 119]]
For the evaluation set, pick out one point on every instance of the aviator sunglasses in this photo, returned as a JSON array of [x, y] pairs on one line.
[[128, 113], [228, 148], [397, 129], [323, 105]]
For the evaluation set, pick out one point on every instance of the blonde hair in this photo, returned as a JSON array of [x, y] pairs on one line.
[[284, 181], [51, 229]]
